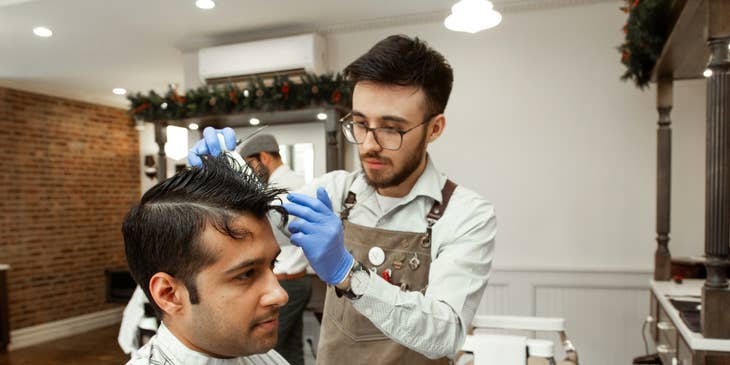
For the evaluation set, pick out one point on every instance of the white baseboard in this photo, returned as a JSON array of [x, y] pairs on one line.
[[45, 332]]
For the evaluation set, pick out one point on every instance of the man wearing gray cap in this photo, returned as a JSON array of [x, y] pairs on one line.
[[262, 153]]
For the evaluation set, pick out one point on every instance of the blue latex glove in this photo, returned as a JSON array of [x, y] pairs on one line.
[[319, 234], [210, 145]]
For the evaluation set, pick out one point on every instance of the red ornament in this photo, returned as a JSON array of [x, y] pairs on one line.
[[285, 88], [336, 96], [140, 108], [636, 2]]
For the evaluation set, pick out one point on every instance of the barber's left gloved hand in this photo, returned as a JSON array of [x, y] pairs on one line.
[[319, 234], [210, 145]]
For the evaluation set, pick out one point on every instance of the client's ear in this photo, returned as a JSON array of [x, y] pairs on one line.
[[169, 294]]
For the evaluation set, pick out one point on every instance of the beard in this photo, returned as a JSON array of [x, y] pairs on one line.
[[261, 171], [218, 336], [384, 179]]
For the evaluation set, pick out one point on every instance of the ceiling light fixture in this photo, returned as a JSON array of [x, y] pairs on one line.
[[205, 4], [707, 73], [119, 91], [42, 32], [193, 126], [321, 116], [254, 121], [472, 16]]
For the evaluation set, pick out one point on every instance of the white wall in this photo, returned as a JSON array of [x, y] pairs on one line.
[[540, 123]]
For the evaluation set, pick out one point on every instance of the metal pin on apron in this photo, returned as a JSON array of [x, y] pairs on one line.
[[414, 262], [386, 275], [399, 260]]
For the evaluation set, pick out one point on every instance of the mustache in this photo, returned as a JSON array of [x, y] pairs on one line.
[[273, 314], [374, 155]]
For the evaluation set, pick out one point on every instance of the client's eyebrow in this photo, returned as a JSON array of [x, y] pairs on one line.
[[246, 263]]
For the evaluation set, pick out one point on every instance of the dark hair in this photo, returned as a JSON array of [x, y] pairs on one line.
[[162, 233], [405, 61]]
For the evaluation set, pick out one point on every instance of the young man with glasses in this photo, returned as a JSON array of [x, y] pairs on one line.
[[406, 252]]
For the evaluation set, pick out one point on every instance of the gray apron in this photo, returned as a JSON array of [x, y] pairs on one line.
[[348, 337]]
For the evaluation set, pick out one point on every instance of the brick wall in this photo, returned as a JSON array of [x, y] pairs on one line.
[[69, 172]]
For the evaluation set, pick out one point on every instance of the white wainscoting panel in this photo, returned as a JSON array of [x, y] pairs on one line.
[[604, 309]]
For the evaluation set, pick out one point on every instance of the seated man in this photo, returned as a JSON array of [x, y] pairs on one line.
[[200, 246]]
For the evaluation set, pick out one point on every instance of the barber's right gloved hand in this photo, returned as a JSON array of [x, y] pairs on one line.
[[319, 233], [209, 145]]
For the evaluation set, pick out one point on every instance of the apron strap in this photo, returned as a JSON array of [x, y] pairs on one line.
[[438, 209], [349, 203]]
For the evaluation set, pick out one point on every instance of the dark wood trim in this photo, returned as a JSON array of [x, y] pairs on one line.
[[4, 313], [662, 257]]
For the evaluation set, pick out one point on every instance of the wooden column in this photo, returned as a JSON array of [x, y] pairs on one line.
[[662, 257], [715, 294], [161, 139]]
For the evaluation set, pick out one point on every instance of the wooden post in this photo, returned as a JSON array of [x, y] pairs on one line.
[[715, 294], [161, 139], [662, 257]]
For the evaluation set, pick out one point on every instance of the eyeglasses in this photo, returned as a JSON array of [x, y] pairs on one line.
[[386, 137]]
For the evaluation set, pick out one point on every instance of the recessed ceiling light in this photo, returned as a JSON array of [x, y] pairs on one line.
[[42, 32], [119, 91], [472, 16], [205, 4], [193, 126], [254, 121], [321, 116]]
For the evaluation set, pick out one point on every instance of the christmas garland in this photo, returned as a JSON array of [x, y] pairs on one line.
[[281, 94], [646, 32]]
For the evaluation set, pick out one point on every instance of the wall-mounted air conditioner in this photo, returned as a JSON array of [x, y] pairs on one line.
[[297, 53]]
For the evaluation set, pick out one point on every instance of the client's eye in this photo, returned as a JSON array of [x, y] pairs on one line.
[[248, 274]]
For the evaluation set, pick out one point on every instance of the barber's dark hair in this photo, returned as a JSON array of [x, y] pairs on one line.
[[406, 61], [163, 232]]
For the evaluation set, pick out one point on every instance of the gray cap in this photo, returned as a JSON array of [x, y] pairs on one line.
[[259, 143]]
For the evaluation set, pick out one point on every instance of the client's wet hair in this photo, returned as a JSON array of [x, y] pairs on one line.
[[163, 232]]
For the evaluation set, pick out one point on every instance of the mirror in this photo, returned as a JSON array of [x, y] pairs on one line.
[[300, 159]]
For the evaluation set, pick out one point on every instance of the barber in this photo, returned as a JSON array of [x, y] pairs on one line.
[[406, 252]]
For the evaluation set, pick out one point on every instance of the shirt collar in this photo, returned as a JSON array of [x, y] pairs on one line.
[[282, 169], [429, 184]]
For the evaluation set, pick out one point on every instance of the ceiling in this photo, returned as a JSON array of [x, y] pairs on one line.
[[137, 44]]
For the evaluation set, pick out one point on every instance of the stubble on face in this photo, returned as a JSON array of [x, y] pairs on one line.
[[386, 178]]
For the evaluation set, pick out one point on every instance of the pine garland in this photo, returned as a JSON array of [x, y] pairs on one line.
[[646, 32], [281, 94]]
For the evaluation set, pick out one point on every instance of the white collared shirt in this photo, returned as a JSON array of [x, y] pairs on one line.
[[291, 260], [462, 249], [165, 349]]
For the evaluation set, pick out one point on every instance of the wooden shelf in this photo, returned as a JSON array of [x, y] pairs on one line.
[[267, 118], [686, 54]]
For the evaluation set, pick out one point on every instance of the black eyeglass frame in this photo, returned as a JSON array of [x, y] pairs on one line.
[[344, 123]]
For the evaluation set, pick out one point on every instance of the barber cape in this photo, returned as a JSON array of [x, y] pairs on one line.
[[165, 349]]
